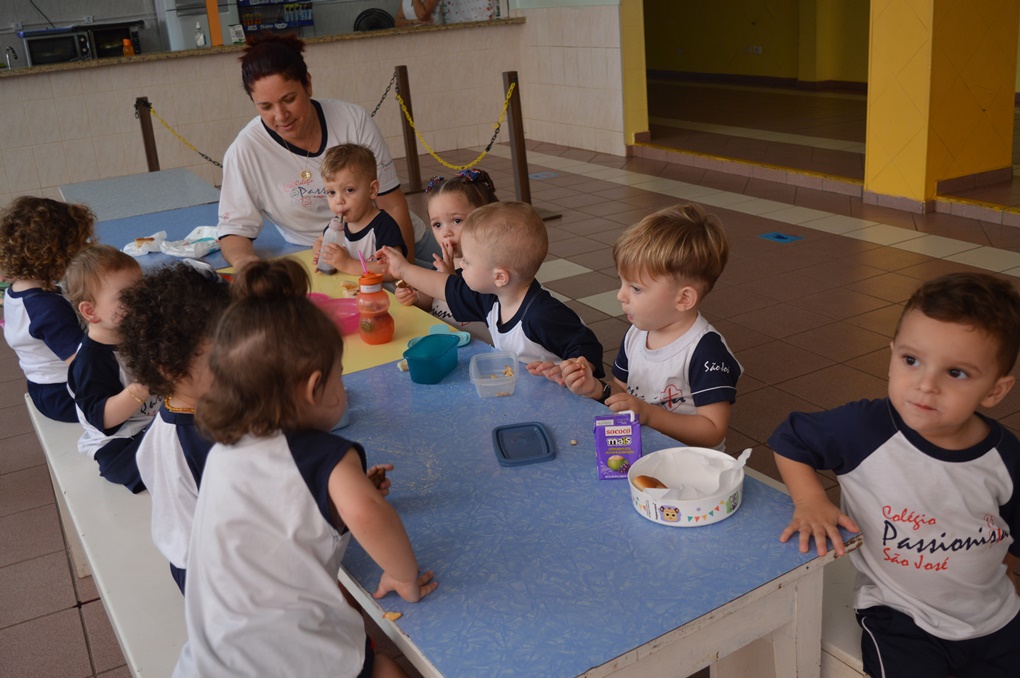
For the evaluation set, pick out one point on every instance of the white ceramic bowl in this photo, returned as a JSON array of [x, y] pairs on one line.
[[689, 473]]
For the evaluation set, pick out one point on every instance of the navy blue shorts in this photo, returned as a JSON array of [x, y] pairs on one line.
[[366, 668], [893, 646], [117, 462]]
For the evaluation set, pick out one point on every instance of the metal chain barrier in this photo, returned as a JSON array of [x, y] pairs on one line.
[[407, 115], [179, 137], [385, 94], [488, 147]]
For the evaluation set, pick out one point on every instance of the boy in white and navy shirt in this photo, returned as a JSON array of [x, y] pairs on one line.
[[502, 245], [673, 368], [930, 483]]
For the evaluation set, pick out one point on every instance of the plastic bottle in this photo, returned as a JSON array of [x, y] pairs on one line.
[[199, 35], [334, 234], [373, 303], [129, 49]]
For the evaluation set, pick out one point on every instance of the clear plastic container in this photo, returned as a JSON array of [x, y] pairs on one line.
[[494, 374]]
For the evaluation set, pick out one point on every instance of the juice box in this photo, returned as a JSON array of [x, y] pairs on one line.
[[617, 443]]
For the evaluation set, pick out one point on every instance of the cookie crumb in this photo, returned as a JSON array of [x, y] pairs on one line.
[[573, 442], [392, 616], [402, 365]]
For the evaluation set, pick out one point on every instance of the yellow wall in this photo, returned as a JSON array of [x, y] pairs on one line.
[[708, 37], [635, 78], [941, 92], [810, 40]]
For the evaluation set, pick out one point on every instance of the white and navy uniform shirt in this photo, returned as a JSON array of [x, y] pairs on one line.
[[44, 331], [544, 328], [262, 595], [382, 231], [262, 176], [695, 370], [170, 460], [94, 376], [936, 523], [479, 330]]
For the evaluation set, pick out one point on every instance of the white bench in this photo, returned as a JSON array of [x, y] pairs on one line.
[[841, 636], [145, 607]]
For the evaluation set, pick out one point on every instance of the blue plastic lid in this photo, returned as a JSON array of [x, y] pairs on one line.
[[519, 444]]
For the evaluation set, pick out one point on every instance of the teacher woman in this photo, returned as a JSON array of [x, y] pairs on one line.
[[271, 169]]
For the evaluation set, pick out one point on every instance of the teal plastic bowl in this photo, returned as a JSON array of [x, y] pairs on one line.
[[431, 358]]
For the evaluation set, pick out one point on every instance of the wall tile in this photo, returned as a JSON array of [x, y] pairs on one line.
[[66, 84], [42, 117], [72, 117], [109, 155], [22, 175], [15, 130], [96, 80], [81, 160], [51, 164], [36, 88]]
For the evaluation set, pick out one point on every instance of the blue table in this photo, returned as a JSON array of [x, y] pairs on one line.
[[544, 569], [178, 223], [136, 194]]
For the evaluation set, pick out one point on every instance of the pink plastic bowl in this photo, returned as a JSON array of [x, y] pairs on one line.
[[343, 312]]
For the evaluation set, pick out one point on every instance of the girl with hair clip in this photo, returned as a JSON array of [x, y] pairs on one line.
[[280, 497], [38, 239], [450, 201]]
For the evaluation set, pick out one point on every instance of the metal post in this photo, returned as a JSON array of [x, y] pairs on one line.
[[410, 142], [148, 138], [515, 124], [518, 150]]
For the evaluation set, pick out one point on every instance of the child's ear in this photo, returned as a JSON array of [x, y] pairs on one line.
[[310, 388], [1002, 386], [88, 311], [687, 298], [373, 189], [501, 276]]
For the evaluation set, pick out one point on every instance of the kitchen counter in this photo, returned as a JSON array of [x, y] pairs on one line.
[[204, 51]]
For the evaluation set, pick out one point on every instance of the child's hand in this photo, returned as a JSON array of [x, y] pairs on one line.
[[377, 474], [316, 248], [576, 374], [139, 392], [335, 255], [819, 518], [621, 402], [547, 369], [445, 264], [408, 296], [392, 262], [412, 592]]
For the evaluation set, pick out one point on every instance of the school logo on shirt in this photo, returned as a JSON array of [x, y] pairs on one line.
[[672, 397], [302, 193]]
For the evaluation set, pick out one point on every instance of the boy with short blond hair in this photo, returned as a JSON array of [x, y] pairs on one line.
[[349, 177], [931, 484], [673, 368], [503, 245]]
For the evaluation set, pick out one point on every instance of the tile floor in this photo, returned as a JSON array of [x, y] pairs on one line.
[[810, 320]]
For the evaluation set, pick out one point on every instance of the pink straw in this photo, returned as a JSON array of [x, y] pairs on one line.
[[363, 267]]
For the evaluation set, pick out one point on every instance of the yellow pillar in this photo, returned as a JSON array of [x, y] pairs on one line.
[[635, 77], [941, 76]]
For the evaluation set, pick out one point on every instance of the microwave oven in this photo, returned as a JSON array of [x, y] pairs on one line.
[[79, 43], [46, 47]]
